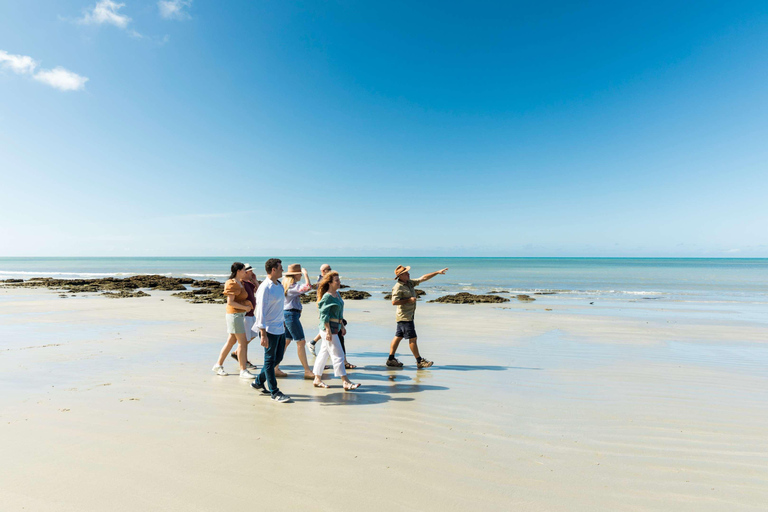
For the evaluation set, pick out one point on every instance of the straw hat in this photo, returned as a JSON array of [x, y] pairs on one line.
[[294, 269], [401, 269]]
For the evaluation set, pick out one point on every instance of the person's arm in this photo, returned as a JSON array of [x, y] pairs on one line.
[[307, 283], [427, 277], [238, 305], [397, 301], [230, 290], [259, 314]]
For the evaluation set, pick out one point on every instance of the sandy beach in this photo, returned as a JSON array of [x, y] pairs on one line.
[[110, 404]]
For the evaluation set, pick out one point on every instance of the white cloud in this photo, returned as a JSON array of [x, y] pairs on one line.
[[61, 79], [174, 9], [19, 64], [105, 11], [58, 77]]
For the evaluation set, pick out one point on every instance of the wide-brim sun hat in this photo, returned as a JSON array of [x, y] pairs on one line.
[[401, 270], [294, 269], [248, 267]]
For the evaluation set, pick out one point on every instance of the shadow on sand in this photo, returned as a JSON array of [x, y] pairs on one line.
[[360, 396]]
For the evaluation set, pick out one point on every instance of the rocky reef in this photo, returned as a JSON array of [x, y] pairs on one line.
[[469, 298], [123, 294], [419, 293], [207, 295], [346, 295], [114, 287]]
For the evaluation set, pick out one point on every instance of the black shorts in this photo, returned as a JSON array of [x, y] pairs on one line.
[[405, 330]]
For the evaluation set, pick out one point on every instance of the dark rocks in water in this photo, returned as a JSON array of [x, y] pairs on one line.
[[354, 295], [207, 283], [419, 293], [347, 295], [469, 298], [498, 291], [344, 286], [153, 282], [544, 293], [123, 294], [211, 295], [309, 297], [525, 298], [12, 281]]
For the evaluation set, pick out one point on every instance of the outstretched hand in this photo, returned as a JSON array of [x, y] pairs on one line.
[[443, 271]]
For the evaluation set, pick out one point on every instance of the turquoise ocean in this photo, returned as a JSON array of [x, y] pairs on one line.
[[661, 279]]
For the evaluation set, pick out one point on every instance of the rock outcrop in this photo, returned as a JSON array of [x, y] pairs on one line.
[[469, 298]]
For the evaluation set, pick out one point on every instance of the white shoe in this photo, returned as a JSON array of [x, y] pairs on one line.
[[220, 370], [245, 374], [311, 348]]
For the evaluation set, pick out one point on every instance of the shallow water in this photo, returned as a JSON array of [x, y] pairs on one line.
[[665, 279]]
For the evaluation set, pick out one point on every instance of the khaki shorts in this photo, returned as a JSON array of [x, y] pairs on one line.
[[236, 323]]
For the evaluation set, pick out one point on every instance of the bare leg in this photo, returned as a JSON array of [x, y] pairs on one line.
[[300, 344], [395, 342], [414, 347], [231, 340], [278, 371], [242, 350]]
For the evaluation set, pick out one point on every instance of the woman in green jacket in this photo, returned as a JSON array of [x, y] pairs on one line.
[[330, 307]]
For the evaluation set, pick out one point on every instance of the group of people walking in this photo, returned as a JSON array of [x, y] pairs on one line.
[[271, 310]]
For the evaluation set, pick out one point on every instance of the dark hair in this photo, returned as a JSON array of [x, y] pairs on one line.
[[235, 267], [271, 264]]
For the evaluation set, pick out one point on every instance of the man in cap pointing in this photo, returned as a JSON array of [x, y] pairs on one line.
[[404, 297]]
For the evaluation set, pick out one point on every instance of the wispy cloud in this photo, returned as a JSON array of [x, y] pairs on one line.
[[105, 12], [58, 77], [174, 9], [20, 64], [61, 79]]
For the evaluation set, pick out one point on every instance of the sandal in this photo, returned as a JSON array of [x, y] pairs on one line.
[[353, 386], [350, 366], [321, 384]]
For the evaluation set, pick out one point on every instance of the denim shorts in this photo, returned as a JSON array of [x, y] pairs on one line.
[[293, 329], [406, 330]]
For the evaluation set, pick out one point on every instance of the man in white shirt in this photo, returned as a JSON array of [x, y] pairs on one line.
[[270, 298]]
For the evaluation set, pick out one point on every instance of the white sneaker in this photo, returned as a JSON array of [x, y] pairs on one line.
[[220, 370], [245, 374], [311, 348]]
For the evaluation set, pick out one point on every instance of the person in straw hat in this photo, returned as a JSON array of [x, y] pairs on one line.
[[292, 314], [404, 297]]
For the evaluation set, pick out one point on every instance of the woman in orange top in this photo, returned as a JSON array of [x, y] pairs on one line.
[[237, 306]]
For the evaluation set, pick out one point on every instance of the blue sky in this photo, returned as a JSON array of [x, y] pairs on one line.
[[360, 128]]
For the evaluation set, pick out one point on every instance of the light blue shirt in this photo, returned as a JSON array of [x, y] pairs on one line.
[[269, 307]]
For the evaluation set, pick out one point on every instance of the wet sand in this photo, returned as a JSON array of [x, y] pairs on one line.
[[110, 404]]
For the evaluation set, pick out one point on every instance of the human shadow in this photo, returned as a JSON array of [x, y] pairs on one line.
[[368, 354], [405, 388], [360, 396], [469, 368], [377, 377]]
